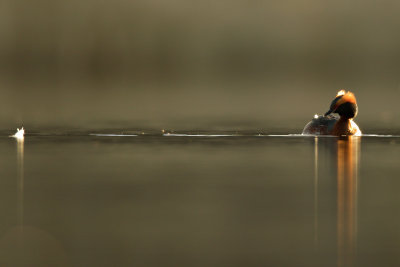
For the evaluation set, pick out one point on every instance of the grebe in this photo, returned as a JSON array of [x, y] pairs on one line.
[[345, 105]]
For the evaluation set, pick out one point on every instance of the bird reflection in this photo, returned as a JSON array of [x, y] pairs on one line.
[[347, 183], [343, 154], [316, 192]]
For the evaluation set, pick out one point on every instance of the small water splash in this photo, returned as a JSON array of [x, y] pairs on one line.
[[20, 133]]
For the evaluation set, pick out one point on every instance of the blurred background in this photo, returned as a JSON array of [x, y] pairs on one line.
[[229, 65]]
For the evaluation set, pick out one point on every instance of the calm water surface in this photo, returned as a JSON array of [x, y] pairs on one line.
[[85, 200]]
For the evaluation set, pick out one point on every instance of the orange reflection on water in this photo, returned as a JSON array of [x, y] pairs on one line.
[[347, 182]]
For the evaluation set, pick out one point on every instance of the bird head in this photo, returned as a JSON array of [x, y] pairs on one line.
[[344, 104]]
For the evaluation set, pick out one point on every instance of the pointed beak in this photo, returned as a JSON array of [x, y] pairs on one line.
[[328, 112], [331, 110]]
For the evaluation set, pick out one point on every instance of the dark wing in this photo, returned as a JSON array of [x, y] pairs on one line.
[[321, 125]]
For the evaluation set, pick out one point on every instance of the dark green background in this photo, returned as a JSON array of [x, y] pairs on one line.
[[178, 64]]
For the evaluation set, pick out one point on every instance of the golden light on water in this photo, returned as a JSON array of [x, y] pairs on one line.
[[347, 195], [20, 177], [19, 136], [345, 152]]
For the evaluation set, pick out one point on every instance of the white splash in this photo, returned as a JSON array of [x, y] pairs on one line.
[[316, 116], [20, 133]]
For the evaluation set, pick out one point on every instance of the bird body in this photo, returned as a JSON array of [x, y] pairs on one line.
[[341, 123], [331, 125]]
